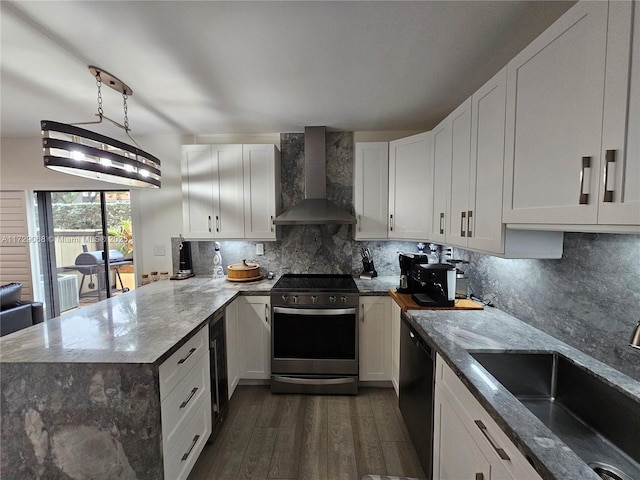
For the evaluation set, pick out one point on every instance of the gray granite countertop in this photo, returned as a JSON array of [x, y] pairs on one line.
[[455, 334], [377, 285], [141, 326]]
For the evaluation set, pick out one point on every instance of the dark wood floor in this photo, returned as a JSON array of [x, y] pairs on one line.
[[309, 437]]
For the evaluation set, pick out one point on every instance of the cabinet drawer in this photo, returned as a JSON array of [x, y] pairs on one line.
[[183, 401], [482, 427], [173, 369], [180, 458]]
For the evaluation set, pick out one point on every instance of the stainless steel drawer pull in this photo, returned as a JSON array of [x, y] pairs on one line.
[[463, 216], [359, 223], [391, 222], [272, 223], [193, 444], [193, 392], [500, 451], [209, 223], [182, 360], [441, 223], [469, 217], [610, 158], [217, 223], [584, 197]]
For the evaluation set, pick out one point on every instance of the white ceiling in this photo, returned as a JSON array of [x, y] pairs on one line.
[[210, 67]]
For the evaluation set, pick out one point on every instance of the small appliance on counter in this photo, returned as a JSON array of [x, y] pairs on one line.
[[407, 260], [462, 280], [369, 269], [433, 285], [185, 269]]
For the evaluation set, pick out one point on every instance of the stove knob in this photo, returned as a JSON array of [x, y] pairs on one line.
[[314, 299], [285, 298], [332, 299], [295, 299], [343, 299]]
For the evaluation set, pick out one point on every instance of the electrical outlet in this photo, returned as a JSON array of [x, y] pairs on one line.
[[259, 248], [158, 250]]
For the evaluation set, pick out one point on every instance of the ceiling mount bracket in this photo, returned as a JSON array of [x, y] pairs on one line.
[[111, 80]]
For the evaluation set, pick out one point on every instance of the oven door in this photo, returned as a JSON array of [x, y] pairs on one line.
[[314, 341]]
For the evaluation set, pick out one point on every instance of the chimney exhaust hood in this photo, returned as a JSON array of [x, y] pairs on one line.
[[315, 209]]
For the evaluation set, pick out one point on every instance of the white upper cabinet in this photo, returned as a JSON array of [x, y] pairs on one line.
[[410, 181], [230, 191], [567, 100], [619, 203], [371, 190], [457, 224], [261, 164], [441, 153]]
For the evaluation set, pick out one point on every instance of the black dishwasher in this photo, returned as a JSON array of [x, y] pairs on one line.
[[218, 369], [417, 376]]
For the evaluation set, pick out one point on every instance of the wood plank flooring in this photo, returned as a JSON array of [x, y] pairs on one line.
[[309, 437]]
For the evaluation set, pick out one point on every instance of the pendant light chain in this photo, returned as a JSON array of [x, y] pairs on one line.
[[126, 118], [99, 85]]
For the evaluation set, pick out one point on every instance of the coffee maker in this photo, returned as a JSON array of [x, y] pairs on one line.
[[407, 260], [185, 269], [433, 285]]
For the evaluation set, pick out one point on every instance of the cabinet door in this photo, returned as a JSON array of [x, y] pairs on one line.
[[620, 197], [235, 349], [228, 191], [254, 332], [441, 180], [456, 455], [555, 90], [375, 336], [261, 165], [371, 190], [197, 191], [395, 346], [460, 170], [484, 218], [410, 180]]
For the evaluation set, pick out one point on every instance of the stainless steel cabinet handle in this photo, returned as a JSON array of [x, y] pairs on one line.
[[610, 158], [391, 222], [186, 402], [362, 314], [217, 223], [584, 197], [209, 223], [216, 407], [182, 360], [500, 451], [359, 223], [266, 313], [469, 217], [463, 216], [272, 223], [441, 223], [193, 444]]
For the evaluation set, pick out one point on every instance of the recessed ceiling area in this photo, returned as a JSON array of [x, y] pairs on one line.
[[207, 67]]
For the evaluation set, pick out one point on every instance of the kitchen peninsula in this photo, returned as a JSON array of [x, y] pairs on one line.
[[82, 393]]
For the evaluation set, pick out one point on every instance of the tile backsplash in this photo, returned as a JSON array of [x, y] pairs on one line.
[[590, 298]]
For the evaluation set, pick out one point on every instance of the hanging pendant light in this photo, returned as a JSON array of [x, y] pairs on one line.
[[77, 151]]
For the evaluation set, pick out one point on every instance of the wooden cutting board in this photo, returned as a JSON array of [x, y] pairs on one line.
[[405, 302]]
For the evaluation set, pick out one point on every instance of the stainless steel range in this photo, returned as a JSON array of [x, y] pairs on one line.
[[314, 334]]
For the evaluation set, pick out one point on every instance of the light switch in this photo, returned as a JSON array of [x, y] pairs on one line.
[[158, 250], [259, 248]]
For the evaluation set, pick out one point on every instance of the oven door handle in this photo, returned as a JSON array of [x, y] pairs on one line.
[[315, 311]]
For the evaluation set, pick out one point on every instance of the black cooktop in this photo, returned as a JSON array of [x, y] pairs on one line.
[[294, 282]]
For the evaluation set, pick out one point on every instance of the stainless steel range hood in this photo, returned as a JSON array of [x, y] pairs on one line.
[[315, 209]]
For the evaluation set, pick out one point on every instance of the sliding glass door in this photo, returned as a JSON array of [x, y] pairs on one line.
[[88, 252]]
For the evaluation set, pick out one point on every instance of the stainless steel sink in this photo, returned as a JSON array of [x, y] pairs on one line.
[[597, 421]]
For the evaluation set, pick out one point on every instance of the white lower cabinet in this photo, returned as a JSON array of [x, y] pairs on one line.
[[185, 405], [395, 346], [254, 337], [462, 425], [375, 335]]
